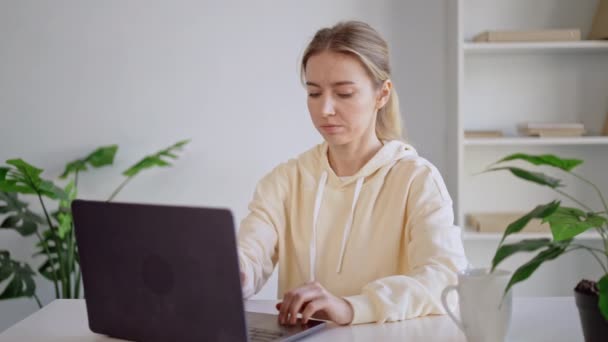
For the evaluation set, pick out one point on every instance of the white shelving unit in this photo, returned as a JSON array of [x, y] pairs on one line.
[[532, 141], [474, 236], [549, 47], [496, 86]]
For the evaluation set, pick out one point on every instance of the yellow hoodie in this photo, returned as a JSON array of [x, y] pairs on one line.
[[384, 239]]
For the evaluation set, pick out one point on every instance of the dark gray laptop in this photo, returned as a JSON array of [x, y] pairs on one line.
[[167, 273]]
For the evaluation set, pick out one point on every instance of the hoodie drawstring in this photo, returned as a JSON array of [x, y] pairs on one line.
[[349, 223], [315, 215], [347, 227]]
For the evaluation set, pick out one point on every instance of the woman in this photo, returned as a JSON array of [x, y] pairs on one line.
[[360, 225]]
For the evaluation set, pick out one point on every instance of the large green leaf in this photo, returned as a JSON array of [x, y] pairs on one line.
[[27, 169], [20, 218], [567, 223], [15, 186], [539, 212], [25, 228], [50, 190], [526, 245], [102, 156], [603, 303], [544, 159], [157, 159], [531, 176], [25, 178], [526, 270], [21, 277], [3, 172]]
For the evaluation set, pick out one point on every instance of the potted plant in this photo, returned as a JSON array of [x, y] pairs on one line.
[[56, 241], [566, 223]]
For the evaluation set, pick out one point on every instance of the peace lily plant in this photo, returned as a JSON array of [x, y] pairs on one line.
[[54, 230], [566, 223]]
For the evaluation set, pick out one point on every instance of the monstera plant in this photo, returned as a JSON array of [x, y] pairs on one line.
[[566, 223], [53, 227]]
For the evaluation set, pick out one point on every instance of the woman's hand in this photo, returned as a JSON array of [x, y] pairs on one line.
[[312, 299]]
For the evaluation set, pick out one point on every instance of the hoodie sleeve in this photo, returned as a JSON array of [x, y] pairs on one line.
[[435, 254], [259, 231]]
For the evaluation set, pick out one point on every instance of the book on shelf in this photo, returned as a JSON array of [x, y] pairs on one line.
[[497, 222], [557, 35], [599, 29], [552, 129], [605, 130], [477, 134]]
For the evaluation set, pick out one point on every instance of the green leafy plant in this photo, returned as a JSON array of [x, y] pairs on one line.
[[565, 222], [56, 241]]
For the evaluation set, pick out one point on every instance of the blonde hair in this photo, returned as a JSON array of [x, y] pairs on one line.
[[360, 40]]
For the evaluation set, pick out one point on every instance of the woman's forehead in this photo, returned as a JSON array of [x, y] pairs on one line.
[[334, 69]]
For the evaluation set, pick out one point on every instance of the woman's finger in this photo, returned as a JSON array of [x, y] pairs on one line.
[[313, 307], [289, 297], [299, 299], [284, 308]]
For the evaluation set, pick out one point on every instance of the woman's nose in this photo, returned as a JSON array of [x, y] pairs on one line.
[[328, 106]]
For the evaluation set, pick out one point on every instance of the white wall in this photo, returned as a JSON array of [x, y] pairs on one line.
[[75, 75]]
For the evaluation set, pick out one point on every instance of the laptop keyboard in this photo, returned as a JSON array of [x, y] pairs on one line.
[[263, 335]]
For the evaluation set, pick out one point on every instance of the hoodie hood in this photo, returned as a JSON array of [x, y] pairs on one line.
[[390, 153]]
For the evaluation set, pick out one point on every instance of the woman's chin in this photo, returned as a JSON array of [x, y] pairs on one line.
[[335, 140]]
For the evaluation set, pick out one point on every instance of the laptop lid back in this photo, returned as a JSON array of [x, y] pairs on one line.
[[159, 273]]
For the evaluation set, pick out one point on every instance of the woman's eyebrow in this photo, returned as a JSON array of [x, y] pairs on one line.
[[335, 84]]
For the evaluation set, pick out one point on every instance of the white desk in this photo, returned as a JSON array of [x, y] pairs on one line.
[[534, 319]]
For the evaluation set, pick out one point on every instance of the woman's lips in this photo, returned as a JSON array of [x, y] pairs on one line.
[[332, 129]]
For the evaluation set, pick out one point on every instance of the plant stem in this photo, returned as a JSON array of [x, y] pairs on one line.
[[590, 250], [606, 245], [77, 284], [37, 300], [587, 247], [599, 193], [606, 248], [71, 247], [598, 260], [48, 255], [573, 199], [604, 240], [58, 245], [122, 185]]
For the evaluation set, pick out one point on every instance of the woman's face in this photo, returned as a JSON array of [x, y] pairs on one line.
[[342, 99]]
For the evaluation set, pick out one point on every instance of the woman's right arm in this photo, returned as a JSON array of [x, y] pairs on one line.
[[259, 231]]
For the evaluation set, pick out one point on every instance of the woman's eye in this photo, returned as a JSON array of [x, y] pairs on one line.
[[341, 95]]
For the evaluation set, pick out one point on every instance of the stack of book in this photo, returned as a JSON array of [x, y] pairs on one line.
[[498, 222], [599, 30], [561, 35], [552, 129], [477, 134]]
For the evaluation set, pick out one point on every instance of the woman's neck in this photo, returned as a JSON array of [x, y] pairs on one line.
[[349, 158]]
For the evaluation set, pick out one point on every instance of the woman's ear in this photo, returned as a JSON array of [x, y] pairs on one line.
[[384, 94]]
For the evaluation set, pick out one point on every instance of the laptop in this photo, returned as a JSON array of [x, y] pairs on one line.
[[167, 273]]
